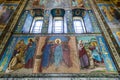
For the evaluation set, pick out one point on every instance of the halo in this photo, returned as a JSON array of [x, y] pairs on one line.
[[118, 33], [93, 43], [57, 40], [30, 38]]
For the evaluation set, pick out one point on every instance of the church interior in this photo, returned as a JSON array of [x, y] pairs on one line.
[[60, 38]]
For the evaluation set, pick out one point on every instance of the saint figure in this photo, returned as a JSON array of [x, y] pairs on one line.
[[46, 54], [66, 54], [58, 53], [84, 60], [31, 47], [95, 53]]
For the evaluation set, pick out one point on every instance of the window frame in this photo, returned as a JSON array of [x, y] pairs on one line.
[[83, 29], [54, 26], [32, 30]]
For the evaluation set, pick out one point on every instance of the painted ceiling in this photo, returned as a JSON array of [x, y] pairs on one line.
[[50, 4]]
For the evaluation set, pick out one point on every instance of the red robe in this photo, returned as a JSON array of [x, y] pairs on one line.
[[84, 60], [66, 55]]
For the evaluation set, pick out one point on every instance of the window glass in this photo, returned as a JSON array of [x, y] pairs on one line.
[[37, 26], [78, 26], [58, 26]]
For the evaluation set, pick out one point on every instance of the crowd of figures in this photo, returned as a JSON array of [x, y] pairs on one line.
[[89, 55], [56, 52], [22, 56], [112, 16], [111, 13]]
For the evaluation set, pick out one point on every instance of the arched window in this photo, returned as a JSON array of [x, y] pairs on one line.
[[57, 17], [78, 25], [58, 25], [37, 25]]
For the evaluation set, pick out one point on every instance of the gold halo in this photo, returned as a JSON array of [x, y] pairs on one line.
[[93, 43], [30, 38], [118, 33], [57, 40]]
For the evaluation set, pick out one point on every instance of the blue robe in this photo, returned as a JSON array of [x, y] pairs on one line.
[[58, 55], [96, 55], [46, 55], [30, 52]]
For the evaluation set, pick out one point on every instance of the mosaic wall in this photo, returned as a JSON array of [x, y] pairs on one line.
[[65, 54], [19, 54], [26, 22], [111, 15], [6, 11], [58, 54]]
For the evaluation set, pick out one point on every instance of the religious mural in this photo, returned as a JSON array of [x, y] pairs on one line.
[[5, 12], [94, 55], [117, 37], [18, 55], [62, 54], [112, 18], [111, 15], [58, 54], [50, 3], [85, 53]]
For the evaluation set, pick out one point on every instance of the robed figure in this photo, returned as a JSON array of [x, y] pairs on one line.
[[31, 47], [95, 52], [66, 54], [46, 54], [58, 53], [84, 60], [5, 16], [17, 60]]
